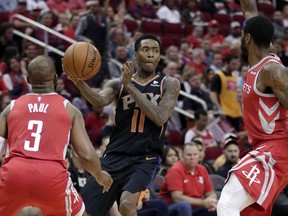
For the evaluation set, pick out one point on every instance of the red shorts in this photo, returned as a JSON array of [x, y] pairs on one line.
[[263, 172], [43, 184]]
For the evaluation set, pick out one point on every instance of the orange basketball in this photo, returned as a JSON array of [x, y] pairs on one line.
[[82, 60]]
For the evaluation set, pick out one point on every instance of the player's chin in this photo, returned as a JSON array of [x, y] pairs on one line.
[[149, 69]]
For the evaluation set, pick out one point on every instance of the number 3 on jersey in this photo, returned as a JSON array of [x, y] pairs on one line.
[[35, 126]]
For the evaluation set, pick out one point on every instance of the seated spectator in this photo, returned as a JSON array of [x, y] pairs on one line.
[[115, 64], [168, 12], [206, 80], [71, 28], [9, 52], [169, 158], [143, 10], [63, 23], [47, 20], [190, 13], [59, 7], [201, 121], [201, 147], [77, 6], [31, 52], [198, 60], [222, 159], [14, 79], [22, 10], [195, 85], [217, 62], [94, 123], [185, 51], [41, 5], [189, 181], [7, 38], [196, 36], [235, 34], [231, 152], [60, 89], [213, 34]]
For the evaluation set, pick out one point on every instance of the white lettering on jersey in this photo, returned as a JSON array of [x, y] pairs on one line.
[[246, 88], [268, 126], [35, 108], [128, 99]]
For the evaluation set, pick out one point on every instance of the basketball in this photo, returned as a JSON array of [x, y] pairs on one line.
[[81, 60]]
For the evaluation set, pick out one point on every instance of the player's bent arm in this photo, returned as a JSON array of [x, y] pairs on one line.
[[102, 98], [160, 113], [275, 76], [249, 8], [3, 122], [81, 142]]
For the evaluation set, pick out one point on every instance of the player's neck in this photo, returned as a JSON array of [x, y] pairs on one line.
[[257, 55], [143, 77], [42, 89]]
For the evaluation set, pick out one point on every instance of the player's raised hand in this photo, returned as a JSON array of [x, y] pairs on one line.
[[127, 72], [105, 180]]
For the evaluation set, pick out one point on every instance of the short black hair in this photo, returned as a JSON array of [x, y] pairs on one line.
[[229, 57], [165, 153], [200, 112], [144, 37], [261, 30]]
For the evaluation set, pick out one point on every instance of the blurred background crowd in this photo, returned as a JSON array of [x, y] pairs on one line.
[[201, 47]]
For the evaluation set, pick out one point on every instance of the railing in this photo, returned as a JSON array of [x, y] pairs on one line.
[[46, 31], [46, 46]]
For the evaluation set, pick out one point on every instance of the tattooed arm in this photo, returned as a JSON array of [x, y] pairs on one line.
[[275, 76], [249, 8], [102, 98], [158, 113]]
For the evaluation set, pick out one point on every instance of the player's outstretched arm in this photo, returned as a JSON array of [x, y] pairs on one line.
[[249, 8], [84, 149], [275, 76], [158, 113], [102, 98]]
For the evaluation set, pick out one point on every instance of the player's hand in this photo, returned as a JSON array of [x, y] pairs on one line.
[[127, 72], [73, 79], [105, 180]]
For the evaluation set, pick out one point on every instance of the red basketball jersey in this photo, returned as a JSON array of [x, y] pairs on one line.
[[39, 127], [264, 116]]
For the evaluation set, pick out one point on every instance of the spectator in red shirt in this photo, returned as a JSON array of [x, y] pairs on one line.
[[189, 181], [196, 36], [214, 36], [198, 60], [14, 80], [59, 7], [22, 10]]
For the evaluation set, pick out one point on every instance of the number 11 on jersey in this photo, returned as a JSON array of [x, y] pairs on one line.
[[135, 122]]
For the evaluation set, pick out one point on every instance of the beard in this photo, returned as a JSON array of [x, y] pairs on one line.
[[244, 58], [244, 53]]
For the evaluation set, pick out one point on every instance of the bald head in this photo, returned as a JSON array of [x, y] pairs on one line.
[[41, 69]]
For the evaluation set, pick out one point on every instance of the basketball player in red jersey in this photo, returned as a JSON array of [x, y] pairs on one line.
[[37, 129], [255, 182], [145, 102]]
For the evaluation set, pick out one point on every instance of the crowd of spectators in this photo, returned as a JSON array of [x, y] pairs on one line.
[[201, 47]]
